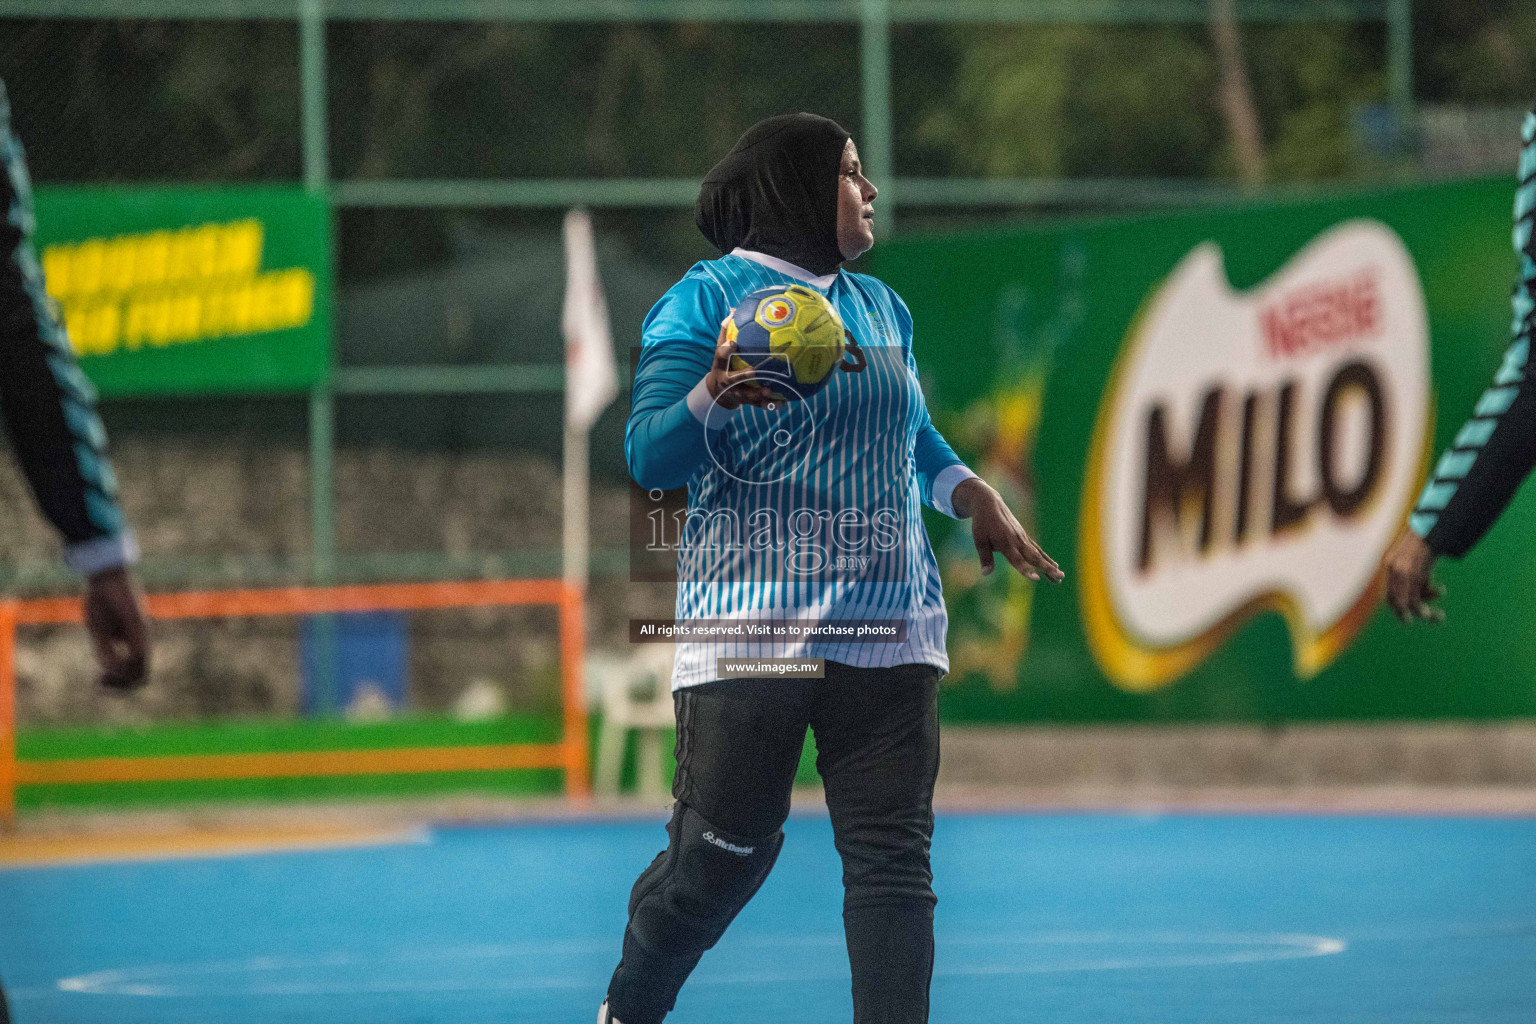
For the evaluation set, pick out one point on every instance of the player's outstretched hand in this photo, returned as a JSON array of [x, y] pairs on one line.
[[995, 529], [114, 617], [733, 388], [1410, 592]]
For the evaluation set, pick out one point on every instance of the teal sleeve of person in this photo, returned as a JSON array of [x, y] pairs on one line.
[[1495, 450], [664, 439]]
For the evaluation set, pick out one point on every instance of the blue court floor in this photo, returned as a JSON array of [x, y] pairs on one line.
[[1042, 917]]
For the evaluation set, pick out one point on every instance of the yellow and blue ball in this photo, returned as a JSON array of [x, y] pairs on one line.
[[791, 337]]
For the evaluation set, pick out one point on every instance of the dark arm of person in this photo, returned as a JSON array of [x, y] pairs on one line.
[[49, 410], [1495, 450], [47, 404]]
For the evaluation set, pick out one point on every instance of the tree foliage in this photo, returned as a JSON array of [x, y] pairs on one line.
[[100, 100]]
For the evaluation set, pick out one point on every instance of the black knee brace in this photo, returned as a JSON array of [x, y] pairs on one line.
[[681, 906], [697, 887]]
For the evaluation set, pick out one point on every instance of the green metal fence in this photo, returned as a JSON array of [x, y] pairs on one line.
[[874, 19]]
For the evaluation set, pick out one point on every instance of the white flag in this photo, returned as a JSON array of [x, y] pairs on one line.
[[591, 379]]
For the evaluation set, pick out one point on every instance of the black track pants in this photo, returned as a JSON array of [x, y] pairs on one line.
[[738, 745]]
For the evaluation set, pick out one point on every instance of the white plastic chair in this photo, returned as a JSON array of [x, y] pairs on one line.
[[635, 693]]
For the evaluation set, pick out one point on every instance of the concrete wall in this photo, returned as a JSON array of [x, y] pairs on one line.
[[1129, 758], [226, 512]]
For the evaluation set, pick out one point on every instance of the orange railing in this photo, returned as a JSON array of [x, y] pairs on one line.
[[569, 753]]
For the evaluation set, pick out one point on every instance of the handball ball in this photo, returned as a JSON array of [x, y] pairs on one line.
[[791, 337]]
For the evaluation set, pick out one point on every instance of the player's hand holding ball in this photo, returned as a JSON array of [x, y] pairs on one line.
[[780, 344], [730, 388]]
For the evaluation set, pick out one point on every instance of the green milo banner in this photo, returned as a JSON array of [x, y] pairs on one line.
[[169, 291], [1217, 422]]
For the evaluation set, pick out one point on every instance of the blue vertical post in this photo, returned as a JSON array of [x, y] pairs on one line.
[[322, 411], [1400, 71], [322, 419], [312, 83], [876, 147]]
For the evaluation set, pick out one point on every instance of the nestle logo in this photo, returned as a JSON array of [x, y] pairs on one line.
[[1255, 450], [1321, 315]]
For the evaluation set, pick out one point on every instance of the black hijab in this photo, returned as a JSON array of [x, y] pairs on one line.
[[776, 192]]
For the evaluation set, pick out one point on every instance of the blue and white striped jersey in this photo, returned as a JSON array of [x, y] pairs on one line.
[[809, 514]]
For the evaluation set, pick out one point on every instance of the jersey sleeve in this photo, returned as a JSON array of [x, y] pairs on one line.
[[670, 408], [1494, 451], [939, 469], [48, 406]]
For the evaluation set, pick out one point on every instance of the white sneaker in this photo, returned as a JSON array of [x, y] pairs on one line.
[[604, 1017]]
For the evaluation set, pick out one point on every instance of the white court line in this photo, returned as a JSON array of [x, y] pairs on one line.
[[1448, 930], [242, 977]]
